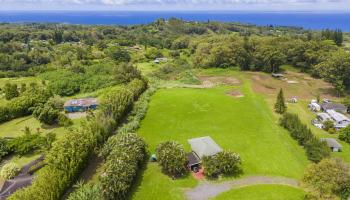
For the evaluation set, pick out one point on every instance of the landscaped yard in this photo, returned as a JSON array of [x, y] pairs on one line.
[[263, 192], [244, 125]]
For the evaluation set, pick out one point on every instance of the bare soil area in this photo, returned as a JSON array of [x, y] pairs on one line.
[[234, 93]]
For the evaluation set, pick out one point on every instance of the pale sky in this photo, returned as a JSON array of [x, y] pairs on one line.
[[244, 5]]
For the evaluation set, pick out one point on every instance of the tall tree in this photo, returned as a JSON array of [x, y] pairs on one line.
[[280, 106]]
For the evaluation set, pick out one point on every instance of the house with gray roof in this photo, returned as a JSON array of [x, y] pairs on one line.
[[340, 120], [203, 146], [333, 144], [334, 106], [323, 117]]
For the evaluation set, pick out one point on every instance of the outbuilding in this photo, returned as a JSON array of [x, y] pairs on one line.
[[277, 75], [333, 144], [340, 120], [338, 107], [203, 146], [80, 105], [314, 107]]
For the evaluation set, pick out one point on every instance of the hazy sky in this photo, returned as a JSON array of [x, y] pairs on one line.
[[263, 5]]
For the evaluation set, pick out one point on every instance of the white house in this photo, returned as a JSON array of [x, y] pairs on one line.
[[314, 107], [340, 120]]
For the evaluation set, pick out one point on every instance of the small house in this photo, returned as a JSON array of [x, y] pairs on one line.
[[333, 144], [159, 60], [80, 105], [203, 146], [334, 106], [277, 75], [314, 107], [293, 100], [340, 120]]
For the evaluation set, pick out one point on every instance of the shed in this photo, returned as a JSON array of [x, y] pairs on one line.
[[277, 75], [204, 146], [80, 105], [334, 106], [333, 144]]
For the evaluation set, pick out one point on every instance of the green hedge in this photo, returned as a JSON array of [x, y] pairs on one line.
[[121, 166], [68, 156], [315, 149]]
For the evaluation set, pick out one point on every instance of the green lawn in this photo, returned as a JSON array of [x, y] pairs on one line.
[[244, 125], [263, 192], [15, 127]]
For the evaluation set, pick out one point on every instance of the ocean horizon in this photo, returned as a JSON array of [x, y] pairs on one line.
[[306, 20]]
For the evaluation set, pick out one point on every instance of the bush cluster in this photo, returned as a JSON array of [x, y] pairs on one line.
[[344, 134], [315, 149], [121, 165], [68, 156], [9, 170], [172, 158], [225, 162], [22, 105], [328, 179]]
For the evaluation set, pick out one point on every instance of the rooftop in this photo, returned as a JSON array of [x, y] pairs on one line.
[[204, 146], [331, 142], [81, 102], [338, 117], [333, 106]]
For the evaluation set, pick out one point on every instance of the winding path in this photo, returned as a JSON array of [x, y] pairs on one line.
[[207, 190]]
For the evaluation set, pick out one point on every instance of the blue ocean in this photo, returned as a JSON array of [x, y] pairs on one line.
[[307, 20]]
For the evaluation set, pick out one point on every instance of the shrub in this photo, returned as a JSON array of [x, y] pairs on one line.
[[63, 120], [316, 150], [11, 91], [172, 158], [4, 114], [125, 73], [4, 150], [328, 125], [344, 134], [225, 162], [46, 114], [329, 179], [121, 165], [9, 171], [27, 143], [87, 192]]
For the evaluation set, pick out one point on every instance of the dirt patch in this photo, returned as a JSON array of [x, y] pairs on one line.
[[219, 80], [236, 94], [76, 115]]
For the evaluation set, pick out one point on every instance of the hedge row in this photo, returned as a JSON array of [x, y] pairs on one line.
[[68, 156], [109, 154], [315, 149], [121, 166], [21, 106]]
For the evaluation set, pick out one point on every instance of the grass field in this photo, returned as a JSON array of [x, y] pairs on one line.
[[263, 192], [244, 125]]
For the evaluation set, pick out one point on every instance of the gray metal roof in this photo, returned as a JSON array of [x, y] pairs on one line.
[[81, 102], [331, 142], [333, 106], [338, 117], [324, 116], [204, 146]]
